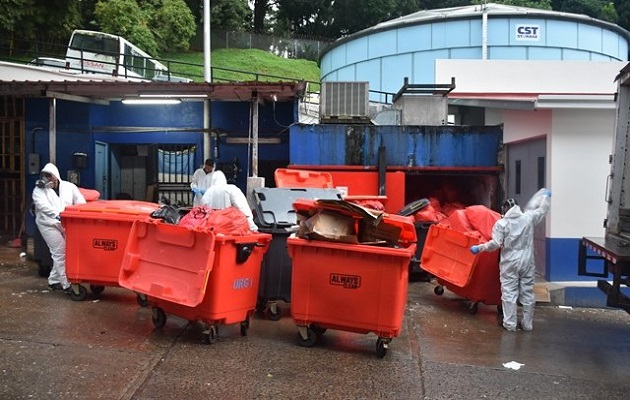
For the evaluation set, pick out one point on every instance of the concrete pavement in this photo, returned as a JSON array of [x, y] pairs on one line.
[[55, 348]]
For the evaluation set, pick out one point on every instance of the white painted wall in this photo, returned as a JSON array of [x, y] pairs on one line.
[[514, 76], [579, 135], [578, 149]]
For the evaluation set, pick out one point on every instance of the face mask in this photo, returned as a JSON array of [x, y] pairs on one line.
[[44, 182]]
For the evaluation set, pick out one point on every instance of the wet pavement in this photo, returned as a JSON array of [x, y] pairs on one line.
[[54, 348]]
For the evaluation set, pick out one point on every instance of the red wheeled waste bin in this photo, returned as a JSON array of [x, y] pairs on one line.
[[96, 236], [359, 288], [475, 277], [194, 274]]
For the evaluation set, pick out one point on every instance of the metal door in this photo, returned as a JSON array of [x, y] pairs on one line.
[[101, 166], [526, 171]]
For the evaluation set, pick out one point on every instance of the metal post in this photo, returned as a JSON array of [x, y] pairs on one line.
[[255, 134], [52, 130], [206, 42]]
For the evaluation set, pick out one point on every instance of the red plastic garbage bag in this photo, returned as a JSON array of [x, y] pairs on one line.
[[429, 214], [371, 204], [435, 203], [90, 194], [459, 222], [197, 216], [482, 219], [449, 208], [228, 221]]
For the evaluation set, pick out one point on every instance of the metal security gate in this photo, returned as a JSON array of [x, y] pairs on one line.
[[176, 164], [12, 165]]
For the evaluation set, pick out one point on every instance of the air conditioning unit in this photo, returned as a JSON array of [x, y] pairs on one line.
[[344, 101]]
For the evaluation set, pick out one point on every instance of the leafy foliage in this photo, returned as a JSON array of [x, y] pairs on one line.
[[127, 19], [173, 25]]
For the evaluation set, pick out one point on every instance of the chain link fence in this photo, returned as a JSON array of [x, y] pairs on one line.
[[288, 47]]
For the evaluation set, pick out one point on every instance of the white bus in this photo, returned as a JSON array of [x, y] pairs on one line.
[[104, 53]]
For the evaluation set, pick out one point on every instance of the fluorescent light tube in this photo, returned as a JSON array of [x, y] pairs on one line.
[[151, 101]]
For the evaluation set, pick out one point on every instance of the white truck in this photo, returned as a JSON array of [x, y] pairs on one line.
[[612, 252]]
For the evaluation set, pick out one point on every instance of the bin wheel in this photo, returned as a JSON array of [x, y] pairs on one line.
[[381, 348], [142, 300], [244, 327], [210, 335], [473, 308], [158, 318], [439, 290], [319, 331], [310, 340], [97, 289], [273, 315], [80, 295]]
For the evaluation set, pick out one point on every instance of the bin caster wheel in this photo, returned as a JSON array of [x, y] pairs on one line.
[[381, 348], [210, 335], [310, 340], [97, 289], [158, 318], [473, 308], [142, 300], [78, 293], [319, 331], [274, 314], [244, 327], [438, 290]]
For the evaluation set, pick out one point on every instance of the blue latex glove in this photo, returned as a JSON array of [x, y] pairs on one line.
[[474, 249], [202, 192], [196, 191], [547, 193]]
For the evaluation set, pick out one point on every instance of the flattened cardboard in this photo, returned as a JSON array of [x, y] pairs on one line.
[[330, 226]]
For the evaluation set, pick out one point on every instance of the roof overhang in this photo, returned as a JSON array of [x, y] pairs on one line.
[[532, 101], [26, 81]]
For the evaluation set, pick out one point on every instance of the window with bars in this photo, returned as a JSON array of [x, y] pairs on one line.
[[176, 165]]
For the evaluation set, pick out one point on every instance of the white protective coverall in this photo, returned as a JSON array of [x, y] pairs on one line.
[[200, 180], [48, 206], [220, 195], [514, 234]]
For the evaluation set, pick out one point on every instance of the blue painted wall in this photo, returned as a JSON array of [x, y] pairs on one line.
[[421, 146], [79, 125]]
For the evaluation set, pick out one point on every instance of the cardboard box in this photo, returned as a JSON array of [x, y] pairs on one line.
[[382, 232], [329, 226]]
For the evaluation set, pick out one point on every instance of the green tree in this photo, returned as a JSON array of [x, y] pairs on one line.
[[261, 9], [127, 19], [539, 4], [230, 15], [304, 17], [173, 25], [623, 13]]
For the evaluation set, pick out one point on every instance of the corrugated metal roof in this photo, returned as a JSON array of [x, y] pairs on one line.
[[29, 81]]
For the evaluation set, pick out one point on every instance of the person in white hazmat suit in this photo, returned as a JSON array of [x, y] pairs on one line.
[[220, 195], [201, 180], [50, 197], [514, 235]]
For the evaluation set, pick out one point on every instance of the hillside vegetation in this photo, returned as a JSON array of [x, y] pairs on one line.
[[242, 65]]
